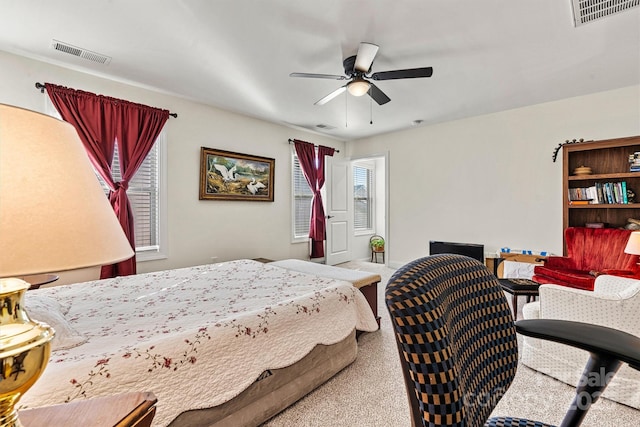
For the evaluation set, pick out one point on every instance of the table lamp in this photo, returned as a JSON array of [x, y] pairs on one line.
[[54, 216], [633, 244]]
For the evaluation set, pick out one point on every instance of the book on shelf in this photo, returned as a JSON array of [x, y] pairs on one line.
[[634, 162], [601, 193], [579, 202]]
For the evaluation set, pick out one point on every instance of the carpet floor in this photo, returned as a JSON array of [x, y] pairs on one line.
[[370, 392]]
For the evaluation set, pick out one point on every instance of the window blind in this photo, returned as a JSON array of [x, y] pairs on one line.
[[302, 196], [143, 196], [362, 199]]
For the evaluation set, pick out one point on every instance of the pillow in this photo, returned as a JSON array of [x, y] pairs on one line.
[[48, 310]]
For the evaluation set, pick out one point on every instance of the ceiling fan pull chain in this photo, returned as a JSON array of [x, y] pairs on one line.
[[346, 122], [370, 110]]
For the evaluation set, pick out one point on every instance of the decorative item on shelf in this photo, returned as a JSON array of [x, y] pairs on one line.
[[555, 152], [582, 170], [632, 224], [44, 172], [631, 195]]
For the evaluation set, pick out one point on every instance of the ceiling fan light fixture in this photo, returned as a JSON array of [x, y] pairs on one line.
[[358, 87]]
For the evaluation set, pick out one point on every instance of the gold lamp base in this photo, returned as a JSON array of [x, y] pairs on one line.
[[25, 346]]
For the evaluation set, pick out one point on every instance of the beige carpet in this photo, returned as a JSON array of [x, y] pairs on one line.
[[370, 392]]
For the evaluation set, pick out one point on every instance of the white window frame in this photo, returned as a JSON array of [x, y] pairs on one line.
[[295, 167], [371, 197], [159, 251]]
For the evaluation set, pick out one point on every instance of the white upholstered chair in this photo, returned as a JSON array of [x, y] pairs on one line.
[[614, 302]]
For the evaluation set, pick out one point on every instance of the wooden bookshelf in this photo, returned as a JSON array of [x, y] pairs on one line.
[[609, 162]]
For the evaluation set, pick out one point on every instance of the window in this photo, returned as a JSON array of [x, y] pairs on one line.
[[362, 198], [145, 196], [302, 196]]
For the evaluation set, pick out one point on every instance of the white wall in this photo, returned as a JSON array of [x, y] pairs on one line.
[[198, 230], [487, 179], [491, 179]]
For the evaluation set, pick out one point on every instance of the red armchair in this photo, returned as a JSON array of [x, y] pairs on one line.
[[590, 252]]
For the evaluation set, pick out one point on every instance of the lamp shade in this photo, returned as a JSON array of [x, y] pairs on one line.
[[54, 216], [633, 244]]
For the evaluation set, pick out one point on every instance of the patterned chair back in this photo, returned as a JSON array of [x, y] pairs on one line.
[[456, 339]]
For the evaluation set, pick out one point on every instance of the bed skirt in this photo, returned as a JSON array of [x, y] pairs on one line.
[[276, 390]]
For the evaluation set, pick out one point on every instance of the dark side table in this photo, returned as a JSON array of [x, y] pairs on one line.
[[517, 287]]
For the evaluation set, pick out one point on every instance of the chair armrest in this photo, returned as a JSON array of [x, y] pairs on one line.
[[614, 310], [614, 285], [592, 338], [614, 272], [558, 296]]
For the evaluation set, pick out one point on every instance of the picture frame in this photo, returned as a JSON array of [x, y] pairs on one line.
[[226, 175]]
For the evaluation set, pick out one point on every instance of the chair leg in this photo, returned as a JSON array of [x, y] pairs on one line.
[[599, 371], [514, 300]]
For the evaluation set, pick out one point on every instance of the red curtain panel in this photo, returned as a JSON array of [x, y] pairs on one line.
[[102, 122], [312, 166]]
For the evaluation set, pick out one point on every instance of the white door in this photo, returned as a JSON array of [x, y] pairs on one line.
[[339, 210]]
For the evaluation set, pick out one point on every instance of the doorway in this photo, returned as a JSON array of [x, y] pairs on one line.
[[367, 210]]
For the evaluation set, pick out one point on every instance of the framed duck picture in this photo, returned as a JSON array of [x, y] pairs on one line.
[[225, 175]]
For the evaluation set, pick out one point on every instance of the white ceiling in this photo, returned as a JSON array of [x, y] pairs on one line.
[[487, 56]]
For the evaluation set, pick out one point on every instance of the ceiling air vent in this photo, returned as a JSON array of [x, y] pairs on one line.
[[80, 52], [585, 11], [326, 127]]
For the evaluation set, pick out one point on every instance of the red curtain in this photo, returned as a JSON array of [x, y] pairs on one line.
[[313, 169], [95, 120], [101, 121]]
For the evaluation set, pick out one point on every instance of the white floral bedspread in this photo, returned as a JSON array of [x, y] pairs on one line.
[[196, 337]]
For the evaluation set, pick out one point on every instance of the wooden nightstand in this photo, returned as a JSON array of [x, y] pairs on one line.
[[123, 410]]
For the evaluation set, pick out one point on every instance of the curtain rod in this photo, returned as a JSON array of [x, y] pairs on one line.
[[42, 88], [291, 142]]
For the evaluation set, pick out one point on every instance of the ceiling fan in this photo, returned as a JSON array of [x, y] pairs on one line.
[[356, 69]]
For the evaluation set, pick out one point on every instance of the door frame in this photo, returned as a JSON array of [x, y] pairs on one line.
[[386, 232]]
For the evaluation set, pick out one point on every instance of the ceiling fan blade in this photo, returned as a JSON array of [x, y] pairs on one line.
[[331, 95], [403, 74], [378, 95], [366, 53], [318, 76]]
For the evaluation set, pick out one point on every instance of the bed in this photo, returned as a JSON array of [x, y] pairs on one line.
[[240, 338]]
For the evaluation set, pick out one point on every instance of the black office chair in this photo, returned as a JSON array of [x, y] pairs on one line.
[[458, 349]]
